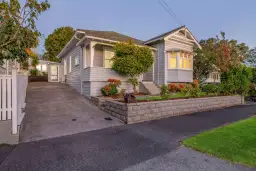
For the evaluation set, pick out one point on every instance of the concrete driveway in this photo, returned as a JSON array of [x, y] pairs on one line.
[[148, 146], [54, 109]]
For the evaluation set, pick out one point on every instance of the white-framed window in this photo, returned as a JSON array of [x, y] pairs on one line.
[[70, 63], [185, 60], [77, 60], [108, 55]]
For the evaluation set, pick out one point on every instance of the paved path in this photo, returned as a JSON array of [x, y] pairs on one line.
[[148, 146], [50, 109]]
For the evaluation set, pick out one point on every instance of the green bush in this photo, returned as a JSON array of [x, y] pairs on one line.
[[195, 91], [210, 88], [164, 92], [34, 72], [236, 80], [190, 90]]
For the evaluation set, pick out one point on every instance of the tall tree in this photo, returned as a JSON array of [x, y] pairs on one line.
[[219, 54], [228, 53], [17, 27], [203, 63], [251, 60], [56, 41]]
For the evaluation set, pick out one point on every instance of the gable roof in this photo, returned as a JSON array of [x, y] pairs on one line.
[[161, 36], [111, 35]]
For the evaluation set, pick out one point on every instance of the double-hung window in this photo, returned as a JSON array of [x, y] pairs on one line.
[[173, 60], [108, 55], [185, 60]]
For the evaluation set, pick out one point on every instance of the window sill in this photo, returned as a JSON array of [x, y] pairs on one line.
[[180, 69]]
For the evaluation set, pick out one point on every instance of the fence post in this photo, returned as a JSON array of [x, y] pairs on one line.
[[14, 103]]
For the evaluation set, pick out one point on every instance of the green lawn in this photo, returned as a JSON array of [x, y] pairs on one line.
[[171, 96], [235, 142]]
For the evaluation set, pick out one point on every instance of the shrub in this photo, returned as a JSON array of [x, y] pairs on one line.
[[210, 88], [186, 90], [236, 80], [172, 87], [111, 88], [115, 82], [252, 91], [134, 81], [195, 91], [164, 92], [34, 72], [181, 86], [190, 90]]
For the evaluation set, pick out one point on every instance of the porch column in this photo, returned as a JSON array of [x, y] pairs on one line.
[[92, 44]]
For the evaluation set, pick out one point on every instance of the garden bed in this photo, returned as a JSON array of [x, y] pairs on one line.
[[151, 110]]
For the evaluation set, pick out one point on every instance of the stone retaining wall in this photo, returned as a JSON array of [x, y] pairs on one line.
[[145, 111]]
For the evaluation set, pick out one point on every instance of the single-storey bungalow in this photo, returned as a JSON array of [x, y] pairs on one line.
[[87, 66]]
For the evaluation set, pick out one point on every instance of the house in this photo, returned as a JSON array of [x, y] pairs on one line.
[[52, 69], [87, 66]]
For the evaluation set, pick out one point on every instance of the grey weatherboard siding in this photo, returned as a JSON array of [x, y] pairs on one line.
[[74, 77]]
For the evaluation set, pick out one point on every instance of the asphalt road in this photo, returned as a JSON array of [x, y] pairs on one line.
[[153, 145]]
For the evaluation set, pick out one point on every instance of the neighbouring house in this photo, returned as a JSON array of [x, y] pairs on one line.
[[214, 77], [52, 69], [87, 66]]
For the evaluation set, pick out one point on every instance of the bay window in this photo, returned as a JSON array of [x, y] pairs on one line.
[[180, 60]]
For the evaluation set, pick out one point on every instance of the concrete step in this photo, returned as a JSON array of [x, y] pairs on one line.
[[152, 88]]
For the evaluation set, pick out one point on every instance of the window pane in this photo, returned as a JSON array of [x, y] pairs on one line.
[[181, 62], [108, 63], [172, 62]]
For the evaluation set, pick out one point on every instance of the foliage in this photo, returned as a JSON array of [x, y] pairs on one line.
[[113, 81], [34, 72], [251, 60], [122, 94], [56, 41], [253, 80], [111, 88], [232, 142], [164, 92], [17, 27], [219, 54], [252, 90], [203, 62], [192, 90], [131, 60], [210, 88], [134, 81], [236, 80], [176, 87]]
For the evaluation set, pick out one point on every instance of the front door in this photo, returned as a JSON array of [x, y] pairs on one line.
[[54, 73]]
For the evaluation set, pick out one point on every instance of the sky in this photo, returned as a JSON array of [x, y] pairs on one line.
[[144, 19]]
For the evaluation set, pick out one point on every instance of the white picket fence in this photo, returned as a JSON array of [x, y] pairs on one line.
[[12, 97]]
